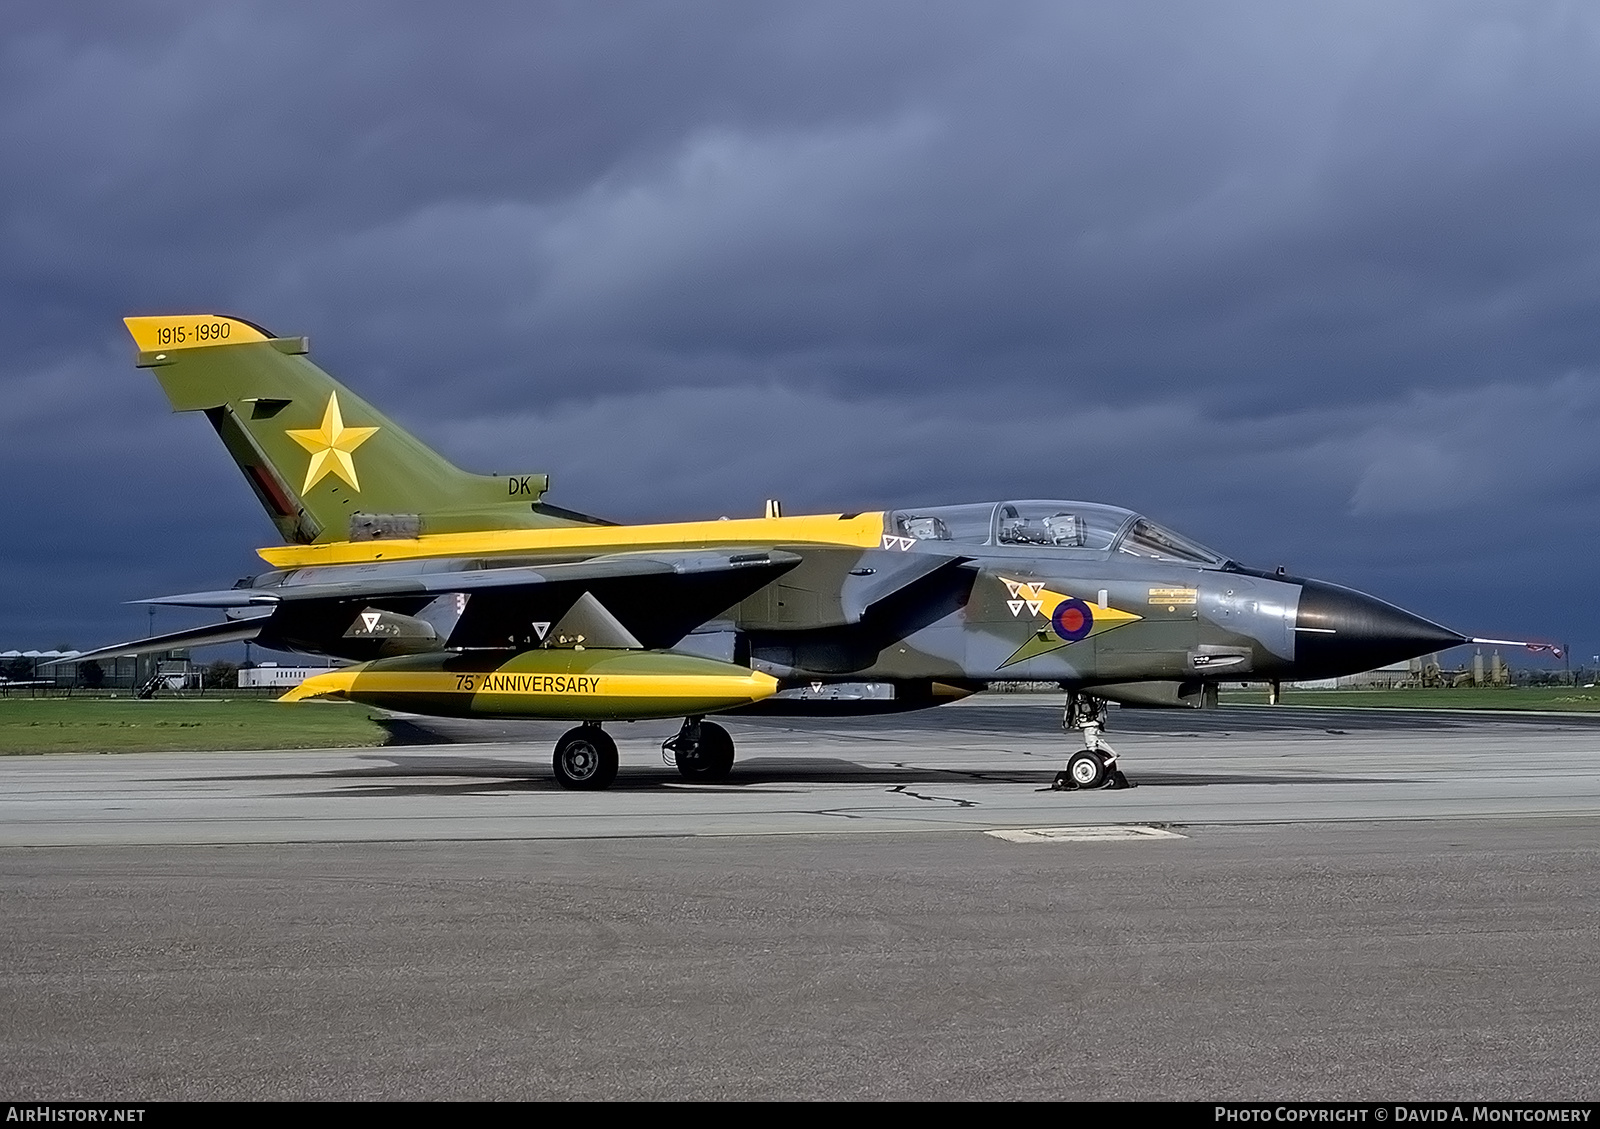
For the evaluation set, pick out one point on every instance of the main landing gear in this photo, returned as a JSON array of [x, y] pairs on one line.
[[1095, 765], [586, 759], [702, 750]]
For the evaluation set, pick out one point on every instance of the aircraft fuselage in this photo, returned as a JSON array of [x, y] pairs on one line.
[[903, 623]]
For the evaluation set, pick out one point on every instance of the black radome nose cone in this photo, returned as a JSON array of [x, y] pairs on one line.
[[1342, 631]]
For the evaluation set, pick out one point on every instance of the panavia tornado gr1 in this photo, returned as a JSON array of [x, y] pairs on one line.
[[470, 595]]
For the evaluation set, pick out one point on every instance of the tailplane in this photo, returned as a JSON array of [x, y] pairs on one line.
[[325, 464]]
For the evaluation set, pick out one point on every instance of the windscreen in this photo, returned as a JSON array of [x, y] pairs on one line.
[[1147, 539]]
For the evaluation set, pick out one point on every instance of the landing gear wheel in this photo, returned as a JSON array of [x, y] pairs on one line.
[[709, 758], [1087, 769], [586, 759]]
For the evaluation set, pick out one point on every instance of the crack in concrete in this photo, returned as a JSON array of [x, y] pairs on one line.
[[904, 791]]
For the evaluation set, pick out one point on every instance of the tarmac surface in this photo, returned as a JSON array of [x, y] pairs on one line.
[[1292, 905]]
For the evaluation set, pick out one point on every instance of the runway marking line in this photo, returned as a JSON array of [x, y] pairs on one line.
[[1100, 834]]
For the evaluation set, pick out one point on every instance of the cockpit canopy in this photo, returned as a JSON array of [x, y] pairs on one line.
[[1087, 527]]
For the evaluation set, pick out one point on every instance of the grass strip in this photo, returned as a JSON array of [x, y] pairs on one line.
[[125, 725], [1573, 699]]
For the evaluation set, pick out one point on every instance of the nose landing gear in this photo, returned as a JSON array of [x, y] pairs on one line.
[[1095, 765]]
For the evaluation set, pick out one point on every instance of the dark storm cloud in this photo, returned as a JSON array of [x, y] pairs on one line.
[[1315, 283]]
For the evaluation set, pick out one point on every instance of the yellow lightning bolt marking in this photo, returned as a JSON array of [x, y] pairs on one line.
[[1045, 640], [330, 446]]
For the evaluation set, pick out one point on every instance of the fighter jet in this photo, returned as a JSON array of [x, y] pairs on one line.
[[470, 595]]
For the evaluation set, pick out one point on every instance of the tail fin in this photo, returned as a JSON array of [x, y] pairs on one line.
[[325, 464]]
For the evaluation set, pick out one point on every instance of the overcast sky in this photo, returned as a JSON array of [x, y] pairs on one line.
[[1318, 285]]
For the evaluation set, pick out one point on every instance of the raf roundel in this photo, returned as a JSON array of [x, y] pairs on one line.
[[1072, 620]]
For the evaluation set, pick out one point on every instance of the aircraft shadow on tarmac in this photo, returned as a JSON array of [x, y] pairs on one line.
[[406, 775], [1026, 722]]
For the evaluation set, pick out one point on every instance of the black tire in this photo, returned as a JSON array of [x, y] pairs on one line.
[[585, 759], [1087, 769], [711, 758]]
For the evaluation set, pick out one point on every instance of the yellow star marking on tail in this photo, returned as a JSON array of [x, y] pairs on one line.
[[330, 446]]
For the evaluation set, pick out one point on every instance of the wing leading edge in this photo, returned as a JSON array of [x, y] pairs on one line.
[[632, 600]]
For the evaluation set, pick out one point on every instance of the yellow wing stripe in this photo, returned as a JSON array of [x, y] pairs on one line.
[[862, 531]]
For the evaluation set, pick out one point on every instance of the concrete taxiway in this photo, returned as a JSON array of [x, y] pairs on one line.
[[967, 767], [1353, 904]]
